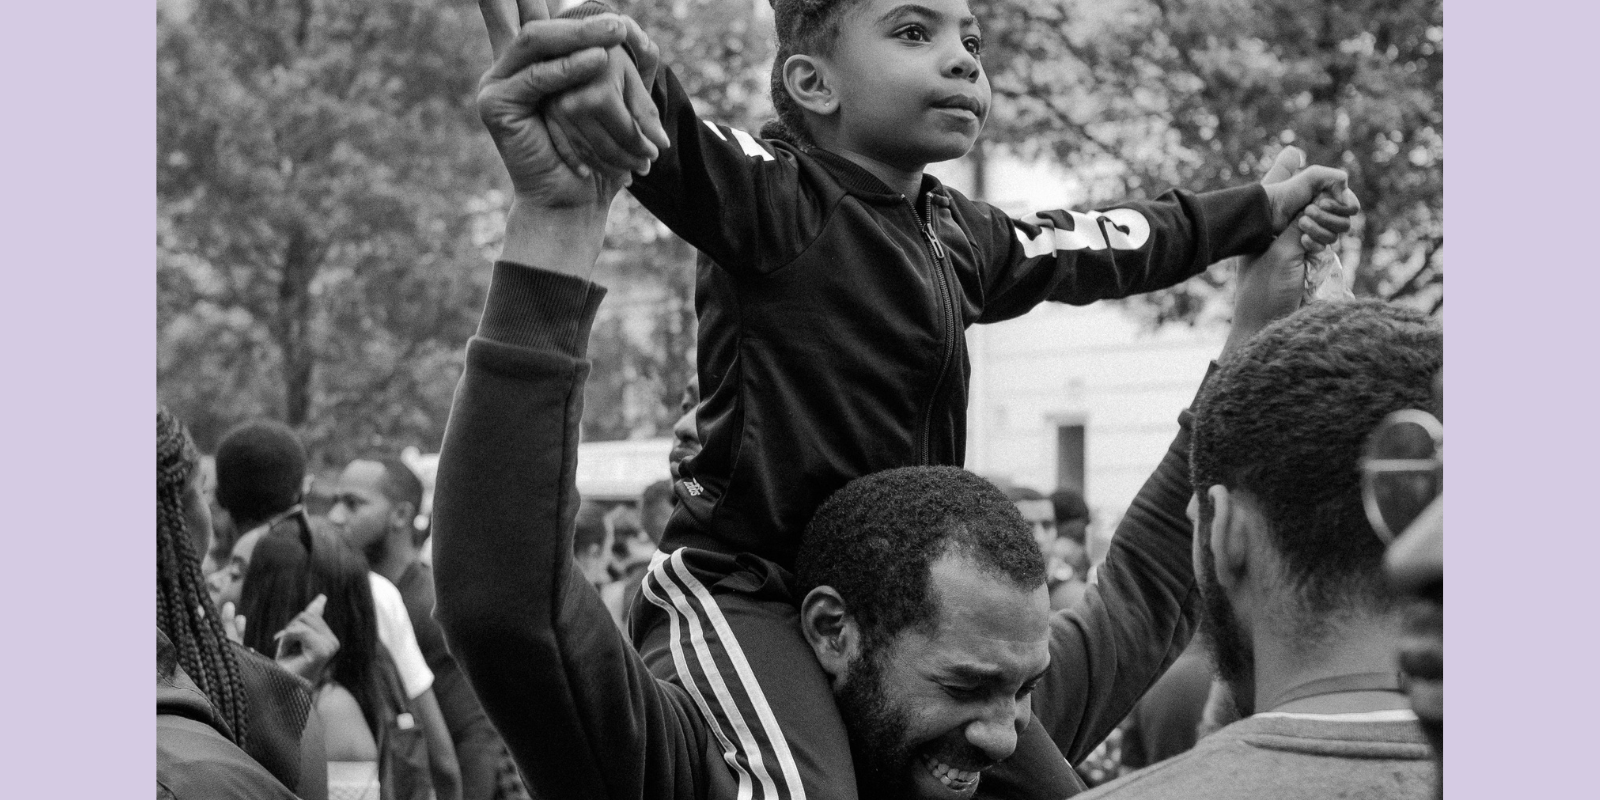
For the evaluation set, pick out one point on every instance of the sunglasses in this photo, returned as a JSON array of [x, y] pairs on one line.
[[296, 514], [1402, 470]]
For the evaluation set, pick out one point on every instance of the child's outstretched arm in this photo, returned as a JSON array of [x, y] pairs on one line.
[[1138, 247], [1107, 650], [732, 196]]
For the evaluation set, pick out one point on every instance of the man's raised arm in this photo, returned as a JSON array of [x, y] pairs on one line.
[[575, 705], [1109, 650]]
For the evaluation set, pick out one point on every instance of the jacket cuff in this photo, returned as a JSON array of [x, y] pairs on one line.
[[540, 310], [1241, 221]]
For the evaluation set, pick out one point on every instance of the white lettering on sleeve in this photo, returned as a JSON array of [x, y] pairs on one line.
[[749, 145], [1119, 229]]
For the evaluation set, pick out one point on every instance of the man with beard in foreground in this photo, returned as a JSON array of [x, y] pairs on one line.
[[928, 612], [1301, 622]]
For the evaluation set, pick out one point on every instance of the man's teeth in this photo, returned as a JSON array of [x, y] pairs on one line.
[[951, 777]]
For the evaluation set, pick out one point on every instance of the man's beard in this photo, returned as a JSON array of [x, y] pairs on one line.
[[877, 730], [1230, 651]]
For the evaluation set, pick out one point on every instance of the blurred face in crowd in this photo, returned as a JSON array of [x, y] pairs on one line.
[[1073, 554], [1041, 517], [227, 584], [1415, 563], [686, 437], [593, 561], [653, 516], [934, 707], [362, 514]]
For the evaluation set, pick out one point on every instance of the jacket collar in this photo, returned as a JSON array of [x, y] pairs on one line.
[[863, 184]]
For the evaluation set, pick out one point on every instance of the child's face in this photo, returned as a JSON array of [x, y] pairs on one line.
[[911, 89]]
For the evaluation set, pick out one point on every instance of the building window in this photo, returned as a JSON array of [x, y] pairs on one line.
[[1069, 458]]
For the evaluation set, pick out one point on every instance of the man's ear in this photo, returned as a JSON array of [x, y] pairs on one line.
[[831, 631], [806, 79], [1229, 543], [403, 517]]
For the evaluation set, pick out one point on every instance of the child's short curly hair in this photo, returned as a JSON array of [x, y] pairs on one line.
[[802, 26]]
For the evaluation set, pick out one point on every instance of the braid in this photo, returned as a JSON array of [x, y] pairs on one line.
[[181, 598], [802, 26]]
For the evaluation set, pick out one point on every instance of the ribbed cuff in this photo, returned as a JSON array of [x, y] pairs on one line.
[[539, 309], [1247, 204]]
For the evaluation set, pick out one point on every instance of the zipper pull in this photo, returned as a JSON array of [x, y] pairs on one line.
[[933, 239]]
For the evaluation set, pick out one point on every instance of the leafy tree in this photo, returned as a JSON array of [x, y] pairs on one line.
[[1141, 95], [328, 202], [323, 190]]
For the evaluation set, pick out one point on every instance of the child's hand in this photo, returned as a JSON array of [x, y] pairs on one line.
[[1321, 222], [611, 126], [1270, 285]]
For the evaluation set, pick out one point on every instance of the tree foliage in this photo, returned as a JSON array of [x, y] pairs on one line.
[[1142, 95], [321, 184], [328, 202]]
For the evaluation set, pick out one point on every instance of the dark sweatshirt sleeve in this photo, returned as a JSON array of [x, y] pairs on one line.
[[1137, 247], [1138, 618], [733, 196], [574, 703]]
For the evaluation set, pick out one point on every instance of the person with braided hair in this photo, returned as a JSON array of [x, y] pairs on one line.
[[265, 710], [261, 477], [194, 755]]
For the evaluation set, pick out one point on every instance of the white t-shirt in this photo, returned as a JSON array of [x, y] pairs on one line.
[[397, 636]]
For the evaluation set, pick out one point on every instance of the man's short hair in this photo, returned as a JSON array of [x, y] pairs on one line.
[[1021, 494], [400, 483], [261, 466], [875, 542], [1069, 505], [1284, 420]]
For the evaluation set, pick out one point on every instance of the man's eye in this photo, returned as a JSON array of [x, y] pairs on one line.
[[1026, 690], [974, 45], [961, 692]]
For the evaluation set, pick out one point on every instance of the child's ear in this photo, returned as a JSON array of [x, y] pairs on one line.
[[806, 78]]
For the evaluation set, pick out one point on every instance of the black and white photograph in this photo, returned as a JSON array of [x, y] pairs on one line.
[[800, 399]]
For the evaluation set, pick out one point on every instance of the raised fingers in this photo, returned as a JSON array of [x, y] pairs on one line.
[[500, 18], [516, 97], [597, 120], [531, 10], [551, 39]]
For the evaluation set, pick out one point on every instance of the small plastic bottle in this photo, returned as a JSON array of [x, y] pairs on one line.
[[1325, 279]]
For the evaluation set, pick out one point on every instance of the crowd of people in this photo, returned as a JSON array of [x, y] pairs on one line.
[[819, 602]]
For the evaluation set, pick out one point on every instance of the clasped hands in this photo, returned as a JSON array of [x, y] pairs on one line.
[[568, 103]]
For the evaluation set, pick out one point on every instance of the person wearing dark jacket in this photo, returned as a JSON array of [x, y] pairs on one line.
[[581, 711], [833, 295], [196, 758]]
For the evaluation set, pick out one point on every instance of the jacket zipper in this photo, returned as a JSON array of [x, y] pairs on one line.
[[947, 303]]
